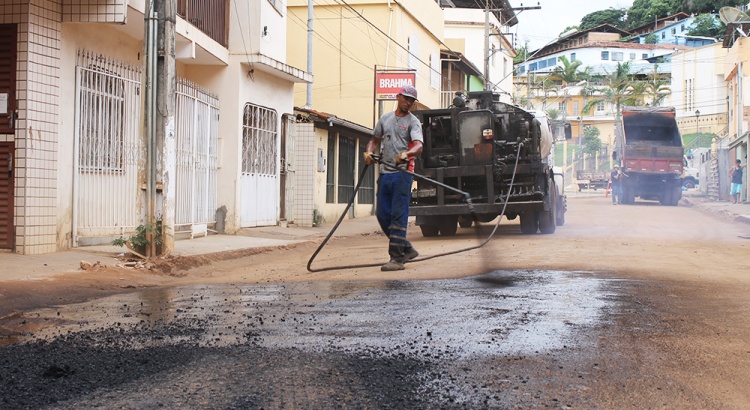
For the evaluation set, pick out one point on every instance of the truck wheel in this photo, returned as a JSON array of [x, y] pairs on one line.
[[448, 227], [529, 223], [547, 218], [560, 212], [676, 196], [465, 221], [429, 230], [688, 183]]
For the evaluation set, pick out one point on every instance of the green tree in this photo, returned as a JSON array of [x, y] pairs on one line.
[[570, 71], [591, 142], [651, 38], [613, 16], [648, 11], [658, 86], [703, 6], [707, 25], [553, 113], [620, 89]]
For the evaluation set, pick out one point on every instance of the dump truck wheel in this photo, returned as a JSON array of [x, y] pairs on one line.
[[429, 230]]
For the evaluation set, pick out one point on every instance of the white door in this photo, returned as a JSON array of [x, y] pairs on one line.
[[259, 182]]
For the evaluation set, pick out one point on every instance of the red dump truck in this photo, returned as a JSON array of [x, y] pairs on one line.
[[649, 147]]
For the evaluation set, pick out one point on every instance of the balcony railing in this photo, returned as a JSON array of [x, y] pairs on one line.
[[209, 16]]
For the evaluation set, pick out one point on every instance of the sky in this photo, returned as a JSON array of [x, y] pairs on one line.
[[540, 27]]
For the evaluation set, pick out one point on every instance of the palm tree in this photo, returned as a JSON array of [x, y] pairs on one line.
[[659, 88], [621, 89], [569, 72]]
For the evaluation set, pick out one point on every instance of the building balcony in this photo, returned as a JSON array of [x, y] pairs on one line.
[[208, 16]]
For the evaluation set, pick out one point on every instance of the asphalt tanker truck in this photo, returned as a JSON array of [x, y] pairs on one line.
[[498, 154], [649, 147]]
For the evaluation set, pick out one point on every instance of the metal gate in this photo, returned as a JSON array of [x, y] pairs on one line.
[[197, 132], [288, 171], [259, 183], [108, 149]]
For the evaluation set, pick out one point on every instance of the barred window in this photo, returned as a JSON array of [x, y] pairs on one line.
[[101, 123], [259, 134]]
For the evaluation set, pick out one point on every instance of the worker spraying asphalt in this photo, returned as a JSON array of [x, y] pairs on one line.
[[379, 160]]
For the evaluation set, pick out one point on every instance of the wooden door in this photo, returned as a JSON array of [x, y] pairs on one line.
[[7, 77], [6, 195]]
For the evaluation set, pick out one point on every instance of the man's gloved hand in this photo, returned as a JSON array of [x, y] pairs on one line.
[[402, 157], [368, 158]]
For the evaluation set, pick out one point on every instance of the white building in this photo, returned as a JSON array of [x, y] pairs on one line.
[[72, 140]]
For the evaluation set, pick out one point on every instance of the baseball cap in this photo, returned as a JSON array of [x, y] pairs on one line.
[[408, 91], [617, 166]]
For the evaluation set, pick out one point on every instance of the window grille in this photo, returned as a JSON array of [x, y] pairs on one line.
[[259, 132], [331, 169], [102, 99], [605, 55], [347, 152], [366, 194]]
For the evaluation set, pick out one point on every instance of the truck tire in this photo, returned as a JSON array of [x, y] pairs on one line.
[[560, 212], [429, 230], [666, 196], [689, 183], [547, 218], [465, 221], [449, 226], [529, 223], [676, 196], [628, 195]]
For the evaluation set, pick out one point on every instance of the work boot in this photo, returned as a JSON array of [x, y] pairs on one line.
[[392, 265], [409, 255]]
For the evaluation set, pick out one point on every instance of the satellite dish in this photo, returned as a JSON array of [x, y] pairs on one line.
[[732, 15]]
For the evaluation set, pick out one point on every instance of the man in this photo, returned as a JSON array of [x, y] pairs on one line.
[[615, 182], [735, 175], [398, 136]]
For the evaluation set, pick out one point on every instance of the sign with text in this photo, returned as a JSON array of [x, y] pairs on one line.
[[388, 84]]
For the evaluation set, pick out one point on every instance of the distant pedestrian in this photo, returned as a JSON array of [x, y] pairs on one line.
[[735, 174], [615, 183]]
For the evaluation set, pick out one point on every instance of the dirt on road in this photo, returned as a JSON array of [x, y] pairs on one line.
[[680, 338], [643, 241]]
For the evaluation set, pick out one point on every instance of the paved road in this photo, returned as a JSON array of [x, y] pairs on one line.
[[657, 328]]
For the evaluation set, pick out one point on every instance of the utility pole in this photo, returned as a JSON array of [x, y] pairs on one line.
[[159, 126]]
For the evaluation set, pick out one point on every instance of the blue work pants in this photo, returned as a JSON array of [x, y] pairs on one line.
[[394, 194], [617, 194]]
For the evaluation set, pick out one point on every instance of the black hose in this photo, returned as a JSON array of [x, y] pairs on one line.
[[465, 194]]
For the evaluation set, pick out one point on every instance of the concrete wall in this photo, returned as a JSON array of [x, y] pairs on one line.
[[347, 49]]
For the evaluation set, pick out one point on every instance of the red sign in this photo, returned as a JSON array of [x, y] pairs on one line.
[[387, 85]]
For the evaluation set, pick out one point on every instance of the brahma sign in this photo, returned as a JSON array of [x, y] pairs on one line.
[[388, 84]]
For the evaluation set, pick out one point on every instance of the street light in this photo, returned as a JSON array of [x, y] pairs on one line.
[[697, 114], [580, 126]]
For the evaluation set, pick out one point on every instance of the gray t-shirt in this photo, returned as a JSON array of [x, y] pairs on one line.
[[395, 134]]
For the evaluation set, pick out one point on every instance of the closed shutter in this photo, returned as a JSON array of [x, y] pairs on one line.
[[7, 74], [6, 195]]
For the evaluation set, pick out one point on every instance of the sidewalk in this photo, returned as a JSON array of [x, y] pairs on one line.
[[38, 267], [725, 209]]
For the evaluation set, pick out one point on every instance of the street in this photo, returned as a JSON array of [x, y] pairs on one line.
[[640, 306]]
